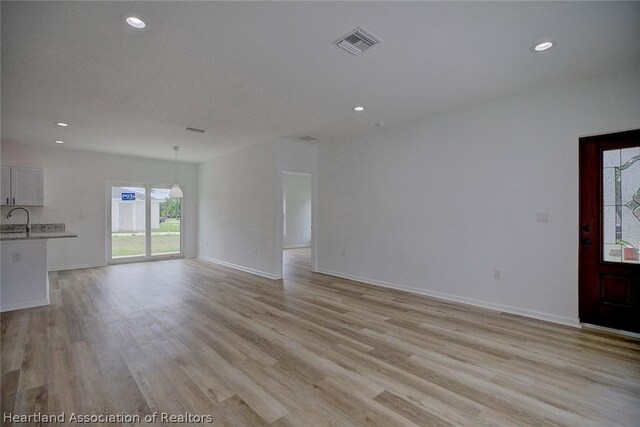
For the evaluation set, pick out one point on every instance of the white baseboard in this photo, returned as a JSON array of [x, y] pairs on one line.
[[554, 318], [241, 268], [300, 245], [76, 267], [23, 305]]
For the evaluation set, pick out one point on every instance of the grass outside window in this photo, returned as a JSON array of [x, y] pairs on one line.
[[164, 240]]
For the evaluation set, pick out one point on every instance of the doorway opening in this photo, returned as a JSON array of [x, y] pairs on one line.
[[297, 228], [144, 223]]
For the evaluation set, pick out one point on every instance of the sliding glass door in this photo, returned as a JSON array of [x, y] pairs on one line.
[[165, 223], [128, 222], [144, 223]]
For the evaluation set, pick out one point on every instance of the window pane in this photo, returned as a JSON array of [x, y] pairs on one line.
[[128, 227], [621, 210], [165, 222]]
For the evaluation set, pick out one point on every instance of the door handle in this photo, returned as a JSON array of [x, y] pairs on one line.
[[586, 228], [7, 200], [14, 200], [586, 241]]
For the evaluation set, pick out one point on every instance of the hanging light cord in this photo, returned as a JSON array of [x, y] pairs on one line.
[[176, 168]]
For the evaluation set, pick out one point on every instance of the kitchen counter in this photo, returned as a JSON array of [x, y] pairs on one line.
[[36, 236], [25, 279]]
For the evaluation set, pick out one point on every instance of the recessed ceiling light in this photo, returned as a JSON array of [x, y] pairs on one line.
[[63, 124], [358, 108], [542, 46], [136, 22], [57, 141]]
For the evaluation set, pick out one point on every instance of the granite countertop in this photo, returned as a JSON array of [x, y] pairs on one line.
[[38, 232], [35, 236]]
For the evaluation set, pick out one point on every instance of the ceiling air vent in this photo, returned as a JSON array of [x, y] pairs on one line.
[[195, 130], [307, 138], [357, 41]]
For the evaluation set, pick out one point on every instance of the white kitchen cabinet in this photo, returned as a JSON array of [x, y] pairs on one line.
[[22, 186], [5, 183]]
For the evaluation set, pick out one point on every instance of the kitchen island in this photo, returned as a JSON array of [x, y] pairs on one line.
[[24, 279]]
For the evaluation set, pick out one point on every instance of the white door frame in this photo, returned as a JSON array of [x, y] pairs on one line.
[[147, 256]]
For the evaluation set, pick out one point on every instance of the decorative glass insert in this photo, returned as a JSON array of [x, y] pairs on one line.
[[621, 210]]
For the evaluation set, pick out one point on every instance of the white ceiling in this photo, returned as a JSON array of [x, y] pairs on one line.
[[249, 72]]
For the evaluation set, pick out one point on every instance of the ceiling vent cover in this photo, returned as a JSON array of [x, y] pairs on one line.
[[357, 41], [194, 130], [307, 138]]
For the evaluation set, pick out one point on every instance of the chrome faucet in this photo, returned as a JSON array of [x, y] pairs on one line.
[[28, 225]]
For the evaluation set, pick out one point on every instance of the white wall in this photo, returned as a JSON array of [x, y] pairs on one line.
[[435, 206], [238, 209], [240, 218], [297, 196], [74, 191]]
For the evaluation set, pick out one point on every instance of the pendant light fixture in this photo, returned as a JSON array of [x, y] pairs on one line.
[[176, 191]]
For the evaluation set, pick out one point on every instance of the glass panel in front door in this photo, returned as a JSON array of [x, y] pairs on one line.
[[621, 205], [128, 222]]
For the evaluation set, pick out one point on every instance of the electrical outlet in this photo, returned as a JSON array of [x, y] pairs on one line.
[[17, 257], [542, 217], [343, 253], [497, 274], [255, 251]]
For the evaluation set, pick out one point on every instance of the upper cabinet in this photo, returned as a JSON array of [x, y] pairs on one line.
[[22, 186], [5, 183]]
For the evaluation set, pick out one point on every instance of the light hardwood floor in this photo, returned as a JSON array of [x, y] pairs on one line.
[[189, 336]]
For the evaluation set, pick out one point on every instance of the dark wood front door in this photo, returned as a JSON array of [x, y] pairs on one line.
[[610, 230]]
